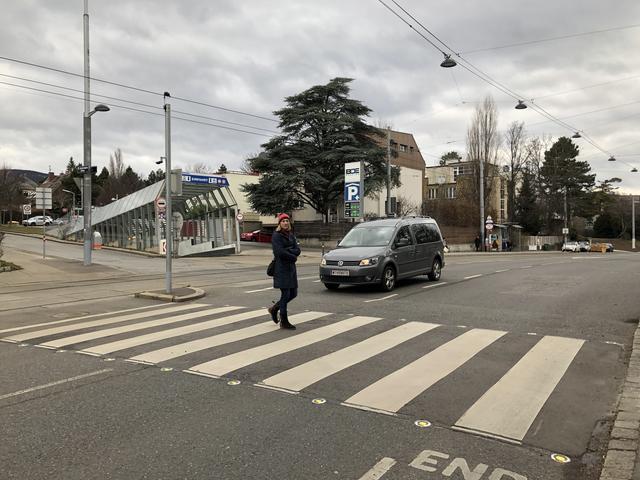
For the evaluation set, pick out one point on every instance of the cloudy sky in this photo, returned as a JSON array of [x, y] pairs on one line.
[[248, 55]]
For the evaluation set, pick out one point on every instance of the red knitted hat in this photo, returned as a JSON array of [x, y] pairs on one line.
[[282, 216]]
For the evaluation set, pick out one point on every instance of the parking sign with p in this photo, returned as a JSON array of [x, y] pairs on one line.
[[352, 192]]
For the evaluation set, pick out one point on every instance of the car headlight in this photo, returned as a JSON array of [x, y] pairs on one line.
[[323, 261], [368, 261]]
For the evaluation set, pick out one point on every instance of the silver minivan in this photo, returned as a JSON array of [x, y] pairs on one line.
[[384, 251]]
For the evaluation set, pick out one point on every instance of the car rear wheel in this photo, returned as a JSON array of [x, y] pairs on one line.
[[332, 286], [388, 281], [436, 270]]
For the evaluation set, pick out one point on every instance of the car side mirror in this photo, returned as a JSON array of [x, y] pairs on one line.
[[338, 242], [402, 242]]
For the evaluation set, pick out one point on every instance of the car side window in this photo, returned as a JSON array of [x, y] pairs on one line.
[[420, 232], [432, 233], [404, 235]]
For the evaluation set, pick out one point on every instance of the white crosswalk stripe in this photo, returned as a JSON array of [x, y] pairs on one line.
[[174, 332], [84, 337], [224, 365], [394, 391], [504, 409], [98, 323], [509, 407], [174, 351], [302, 376], [84, 317]]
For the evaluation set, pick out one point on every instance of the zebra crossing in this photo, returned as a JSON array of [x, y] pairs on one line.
[[156, 335]]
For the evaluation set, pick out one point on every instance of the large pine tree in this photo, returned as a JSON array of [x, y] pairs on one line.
[[322, 130], [561, 173]]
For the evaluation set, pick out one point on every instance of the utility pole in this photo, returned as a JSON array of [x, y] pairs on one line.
[[565, 214], [167, 181], [633, 222], [86, 185], [481, 161], [388, 204]]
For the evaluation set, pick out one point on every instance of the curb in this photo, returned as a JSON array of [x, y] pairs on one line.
[[622, 451], [166, 297], [71, 242]]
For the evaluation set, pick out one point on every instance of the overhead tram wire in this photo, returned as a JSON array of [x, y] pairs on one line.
[[138, 89], [96, 95], [136, 109], [476, 71], [551, 39]]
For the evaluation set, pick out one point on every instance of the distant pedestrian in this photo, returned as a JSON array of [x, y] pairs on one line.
[[285, 252], [478, 243]]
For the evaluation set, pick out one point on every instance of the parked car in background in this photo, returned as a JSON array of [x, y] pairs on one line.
[[584, 246], [264, 236], [380, 252], [602, 247], [38, 220], [570, 247], [250, 236]]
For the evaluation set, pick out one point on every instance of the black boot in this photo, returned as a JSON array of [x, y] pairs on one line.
[[284, 323], [273, 311]]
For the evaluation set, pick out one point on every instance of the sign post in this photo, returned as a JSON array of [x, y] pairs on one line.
[[488, 224], [43, 201], [353, 190]]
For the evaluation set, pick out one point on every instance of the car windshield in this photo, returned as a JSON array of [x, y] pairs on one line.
[[368, 237]]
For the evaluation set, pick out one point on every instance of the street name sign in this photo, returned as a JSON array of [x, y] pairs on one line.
[[43, 198], [202, 179]]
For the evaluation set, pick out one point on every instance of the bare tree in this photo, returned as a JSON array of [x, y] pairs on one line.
[[116, 165], [515, 143], [406, 206], [482, 151], [199, 167], [10, 191]]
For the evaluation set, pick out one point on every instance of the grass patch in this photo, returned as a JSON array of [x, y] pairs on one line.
[[20, 229], [8, 266]]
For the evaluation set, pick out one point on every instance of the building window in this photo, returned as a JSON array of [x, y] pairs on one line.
[[410, 149], [459, 170], [450, 192], [403, 148], [433, 193]]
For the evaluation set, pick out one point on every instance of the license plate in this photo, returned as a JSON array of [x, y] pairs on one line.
[[339, 273]]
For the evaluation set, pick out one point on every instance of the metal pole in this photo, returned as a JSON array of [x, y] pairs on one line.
[[86, 131], [44, 237], [565, 213], [633, 222], [237, 231], [481, 162], [388, 205], [167, 180]]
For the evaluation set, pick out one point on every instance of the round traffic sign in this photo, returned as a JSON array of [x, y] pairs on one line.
[[239, 217], [489, 226], [161, 202]]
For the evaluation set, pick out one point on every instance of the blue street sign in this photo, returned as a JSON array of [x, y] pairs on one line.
[[352, 192], [201, 179]]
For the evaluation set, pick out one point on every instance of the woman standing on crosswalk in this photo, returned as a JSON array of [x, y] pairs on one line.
[[285, 252]]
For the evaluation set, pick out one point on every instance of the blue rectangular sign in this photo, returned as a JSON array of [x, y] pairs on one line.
[[200, 179], [352, 192]]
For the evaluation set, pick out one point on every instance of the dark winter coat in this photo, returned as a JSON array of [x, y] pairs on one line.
[[285, 251]]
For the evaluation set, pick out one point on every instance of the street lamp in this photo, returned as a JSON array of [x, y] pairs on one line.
[[633, 222], [88, 170], [73, 206]]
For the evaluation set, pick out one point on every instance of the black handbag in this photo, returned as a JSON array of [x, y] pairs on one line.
[[271, 268]]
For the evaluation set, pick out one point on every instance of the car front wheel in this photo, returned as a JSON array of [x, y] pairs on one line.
[[436, 271], [388, 281]]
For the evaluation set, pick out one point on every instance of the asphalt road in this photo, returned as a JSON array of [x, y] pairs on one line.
[[485, 374]]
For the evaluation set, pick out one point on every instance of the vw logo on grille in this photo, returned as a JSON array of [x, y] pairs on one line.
[[340, 263]]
